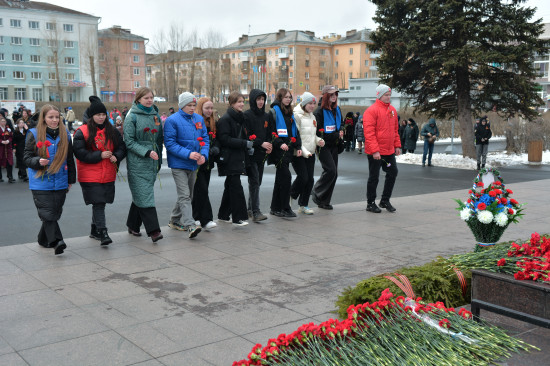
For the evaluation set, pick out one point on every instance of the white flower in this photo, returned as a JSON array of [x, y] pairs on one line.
[[501, 219], [465, 214], [485, 217]]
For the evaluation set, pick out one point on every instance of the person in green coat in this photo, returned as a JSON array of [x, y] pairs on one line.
[[144, 139]]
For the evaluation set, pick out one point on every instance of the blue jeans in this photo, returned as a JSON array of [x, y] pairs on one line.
[[428, 150]]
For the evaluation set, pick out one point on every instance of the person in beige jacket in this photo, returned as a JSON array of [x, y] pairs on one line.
[[305, 164]]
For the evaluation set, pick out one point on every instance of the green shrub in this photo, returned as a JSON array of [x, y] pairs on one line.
[[433, 281]]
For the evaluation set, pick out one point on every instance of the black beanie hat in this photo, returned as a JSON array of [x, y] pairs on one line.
[[96, 107]]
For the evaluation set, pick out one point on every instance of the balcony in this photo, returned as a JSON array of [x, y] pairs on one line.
[[283, 54], [260, 55], [243, 56], [245, 66], [283, 68]]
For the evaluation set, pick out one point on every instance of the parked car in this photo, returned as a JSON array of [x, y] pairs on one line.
[[159, 99]]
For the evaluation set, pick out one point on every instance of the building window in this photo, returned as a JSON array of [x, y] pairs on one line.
[[307, 75], [18, 75], [268, 53], [50, 26], [51, 60], [307, 86], [3, 76], [69, 60], [52, 43], [136, 58], [34, 24], [373, 73], [20, 93], [69, 76], [350, 75], [373, 63], [100, 43], [268, 64], [17, 57], [290, 74], [335, 76], [2, 57], [135, 46], [67, 27], [233, 55], [37, 95], [366, 62], [336, 64], [3, 91], [291, 62], [322, 64], [102, 70], [34, 41], [16, 41], [136, 70], [136, 84], [291, 50], [101, 57], [322, 52], [351, 51], [366, 75], [52, 76], [15, 23], [35, 58], [1, 39], [290, 86], [336, 52], [307, 51], [307, 63], [69, 44], [351, 62], [35, 75], [358, 88], [276, 63], [1, 25]]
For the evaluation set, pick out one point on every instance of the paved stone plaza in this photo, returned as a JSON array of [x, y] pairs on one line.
[[208, 301]]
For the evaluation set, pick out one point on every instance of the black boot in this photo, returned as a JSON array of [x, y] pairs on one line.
[[482, 166], [104, 237], [478, 166], [94, 233]]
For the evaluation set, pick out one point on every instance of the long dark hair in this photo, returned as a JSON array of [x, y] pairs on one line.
[[286, 109], [110, 133]]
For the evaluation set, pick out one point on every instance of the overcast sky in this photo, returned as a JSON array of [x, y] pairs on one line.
[[237, 17]]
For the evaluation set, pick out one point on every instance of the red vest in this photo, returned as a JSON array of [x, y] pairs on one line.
[[102, 172]]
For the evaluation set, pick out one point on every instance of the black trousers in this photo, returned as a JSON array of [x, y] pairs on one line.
[[98, 215], [281, 189], [202, 209], [324, 187], [374, 174], [255, 173], [233, 200], [143, 215], [303, 184], [9, 171], [49, 205]]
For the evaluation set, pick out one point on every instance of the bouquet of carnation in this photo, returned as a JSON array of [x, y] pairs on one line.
[[489, 209]]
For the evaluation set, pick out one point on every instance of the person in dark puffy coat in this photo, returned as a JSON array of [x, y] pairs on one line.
[[99, 149], [282, 122], [235, 149], [430, 132], [19, 136], [257, 125], [51, 169], [6, 150], [411, 136], [483, 134]]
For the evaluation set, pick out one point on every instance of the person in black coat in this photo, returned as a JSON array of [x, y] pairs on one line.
[[281, 120], [19, 136], [331, 129], [99, 149], [483, 134], [257, 126], [235, 149]]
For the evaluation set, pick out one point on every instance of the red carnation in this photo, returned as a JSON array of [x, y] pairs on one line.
[[199, 138], [503, 201], [509, 191], [39, 144], [510, 211], [202, 143], [47, 143], [445, 323], [293, 140], [321, 130], [252, 137], [479, 184], [154, 130], [274, 135], [501, 262], [492, 194], [146, 129], [481, 206]]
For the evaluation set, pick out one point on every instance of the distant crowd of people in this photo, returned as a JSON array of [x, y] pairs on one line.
[[196, 140]]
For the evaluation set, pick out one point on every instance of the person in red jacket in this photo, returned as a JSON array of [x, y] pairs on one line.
[[382, 145], [99, 149]]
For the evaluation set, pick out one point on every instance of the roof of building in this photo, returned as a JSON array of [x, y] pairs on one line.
[[118, 32], [273, 39], [36, 5], [354, 36], [200, 54]]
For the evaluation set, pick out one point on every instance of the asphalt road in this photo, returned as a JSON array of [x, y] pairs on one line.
[[19, 221]]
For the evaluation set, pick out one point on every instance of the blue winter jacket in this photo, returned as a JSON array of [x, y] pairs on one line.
[[181, 131], [55, 182]]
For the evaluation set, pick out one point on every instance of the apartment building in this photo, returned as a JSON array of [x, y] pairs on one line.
[[121, 64], [45, 52], [296, 60], [542, 65]]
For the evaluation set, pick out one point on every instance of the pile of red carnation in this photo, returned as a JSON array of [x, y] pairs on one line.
[[534, 259]]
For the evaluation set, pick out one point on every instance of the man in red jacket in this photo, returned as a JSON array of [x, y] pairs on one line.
[[382, 145]]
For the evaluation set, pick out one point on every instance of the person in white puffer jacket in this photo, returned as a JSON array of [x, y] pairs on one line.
[[305, 164]]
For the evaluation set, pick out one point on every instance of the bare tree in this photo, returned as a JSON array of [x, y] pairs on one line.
[[54, 53], [159, 45], [193, 42], [213, 41], [89, 48], [177, 42]]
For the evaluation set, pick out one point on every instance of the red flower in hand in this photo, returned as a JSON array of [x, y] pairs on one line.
[[293, 140], [199, 138], [154, 130], [146, 129], [481, 206], [39, 145], [501, 262], [252, 137], [322, 130], [202, 143], [47, 143], [274, 134]]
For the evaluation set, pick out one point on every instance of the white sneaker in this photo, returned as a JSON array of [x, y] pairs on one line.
[[305, 210], [228, 221], [198, 223], [240, 223], [210, 225]]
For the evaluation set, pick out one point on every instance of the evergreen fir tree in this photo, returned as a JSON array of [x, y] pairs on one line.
[[460, 58]]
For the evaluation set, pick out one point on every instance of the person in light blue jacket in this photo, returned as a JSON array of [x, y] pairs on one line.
[[187, 145]]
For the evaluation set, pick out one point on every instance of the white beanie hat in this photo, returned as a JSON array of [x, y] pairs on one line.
[[307, 97], [186, 98], [381, 90]]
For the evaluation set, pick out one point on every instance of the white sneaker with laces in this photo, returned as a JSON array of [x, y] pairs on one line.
[[305, 210], [210, 225], [198, 223], [240, 223]]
